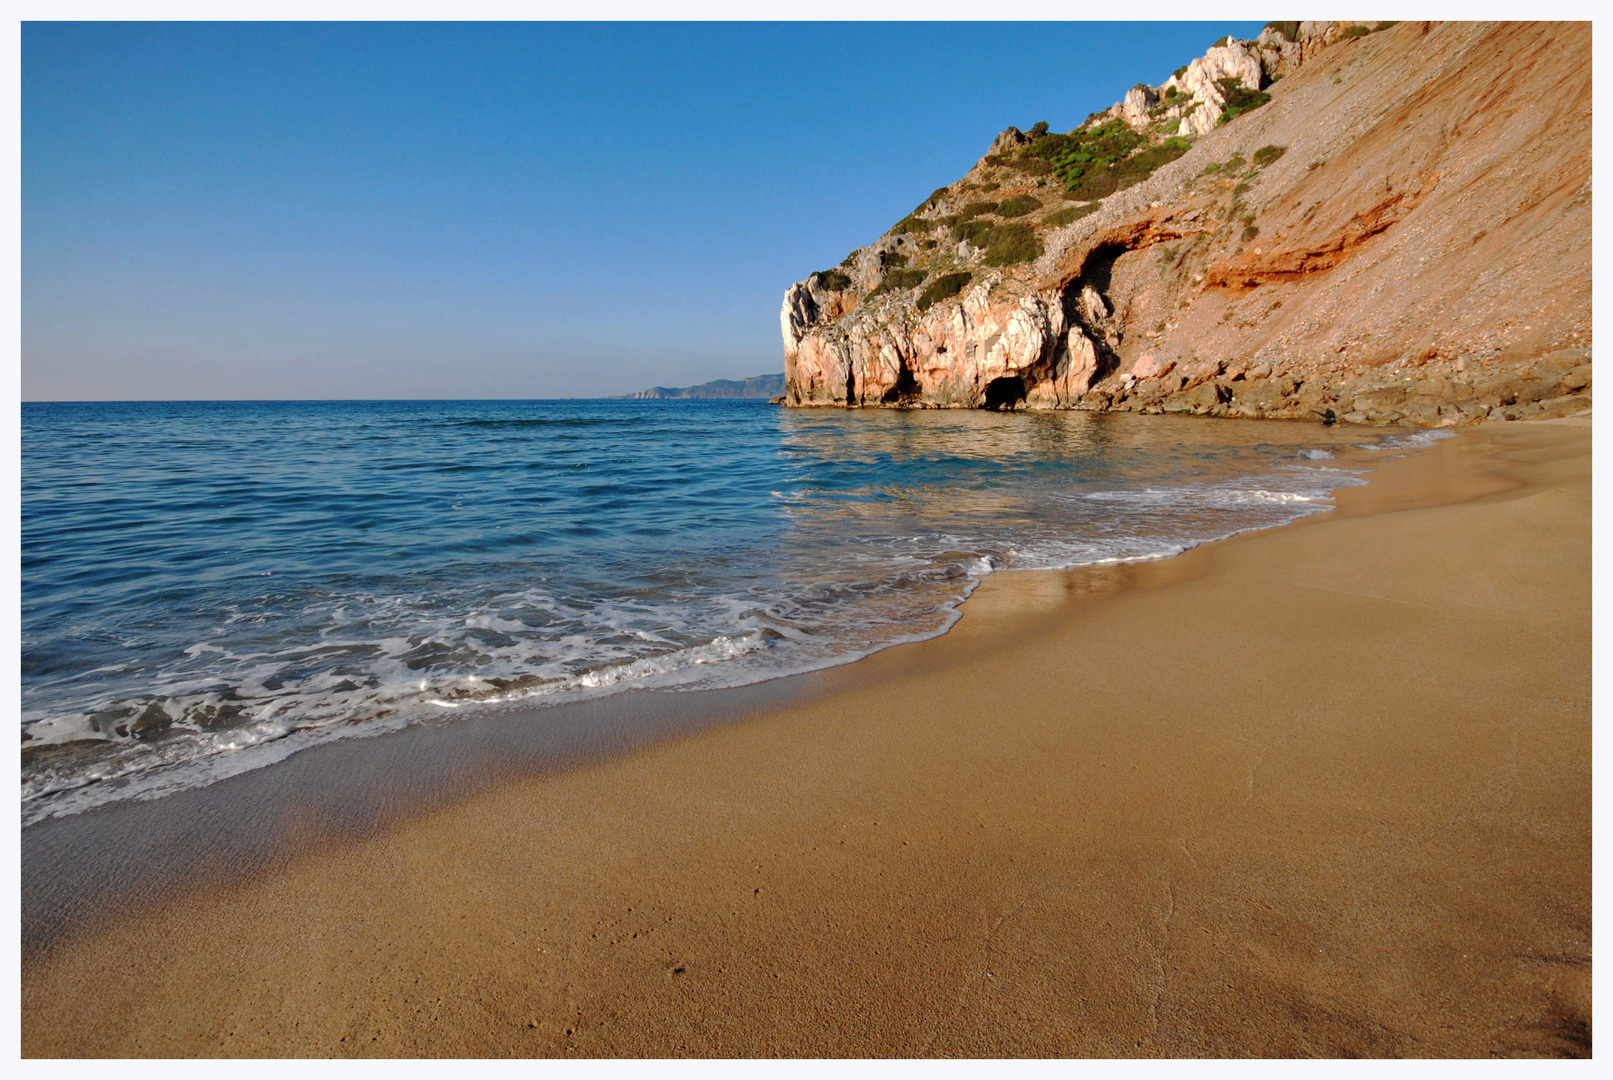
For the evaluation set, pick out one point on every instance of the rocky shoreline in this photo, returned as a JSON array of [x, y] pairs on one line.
[[1360, 223], [1555, 385]]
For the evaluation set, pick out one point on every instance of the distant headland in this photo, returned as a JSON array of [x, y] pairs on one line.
[[760, 387]]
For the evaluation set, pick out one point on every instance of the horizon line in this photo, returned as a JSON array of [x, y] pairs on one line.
[[317, 401]]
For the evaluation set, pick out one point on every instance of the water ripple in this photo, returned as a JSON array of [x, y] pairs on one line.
[[210, 586]]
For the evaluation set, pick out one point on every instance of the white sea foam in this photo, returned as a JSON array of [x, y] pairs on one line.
[[855, 571], [1410, 440], [278, 716]]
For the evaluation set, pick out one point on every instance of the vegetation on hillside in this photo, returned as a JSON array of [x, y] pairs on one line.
[[1075, 153], [899, 279], [1069, 214], [833, 280], [1239, 99], [1085, 165], [1018, 206], [1015, 242], [1268, 154], [934, 200], [972, 231], [1094, 162], [944, 287], [1123, 174]]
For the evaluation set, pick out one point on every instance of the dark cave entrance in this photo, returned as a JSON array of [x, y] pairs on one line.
[[1008, 391], [906, 388], [1099, 268]]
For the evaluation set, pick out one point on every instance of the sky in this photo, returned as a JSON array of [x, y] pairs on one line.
[[485, 210]]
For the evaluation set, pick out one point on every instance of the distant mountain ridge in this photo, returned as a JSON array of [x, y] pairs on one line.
[[756, 387]]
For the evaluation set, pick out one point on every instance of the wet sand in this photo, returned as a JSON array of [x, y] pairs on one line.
[[1321, 790]]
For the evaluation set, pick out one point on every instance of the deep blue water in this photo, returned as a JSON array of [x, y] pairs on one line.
[[207, 587]]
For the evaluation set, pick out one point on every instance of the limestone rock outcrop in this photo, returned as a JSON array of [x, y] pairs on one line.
[[1235, 60], [1400, 234]]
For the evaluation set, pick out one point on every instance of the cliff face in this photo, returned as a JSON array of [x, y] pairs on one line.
[[1402, 233]]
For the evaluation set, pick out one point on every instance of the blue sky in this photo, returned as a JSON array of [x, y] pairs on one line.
[[492, 210]]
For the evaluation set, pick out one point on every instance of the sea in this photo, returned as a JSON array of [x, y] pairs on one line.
[[210, 587]]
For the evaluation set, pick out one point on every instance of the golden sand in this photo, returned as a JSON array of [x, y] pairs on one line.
[[1321, 790]]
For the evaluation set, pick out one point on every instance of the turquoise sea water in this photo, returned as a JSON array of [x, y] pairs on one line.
[[208, 587]]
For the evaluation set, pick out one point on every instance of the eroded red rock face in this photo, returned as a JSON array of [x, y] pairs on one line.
[[1403, 233]]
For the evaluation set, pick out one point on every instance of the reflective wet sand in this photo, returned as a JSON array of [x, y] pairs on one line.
[[1318, 790]]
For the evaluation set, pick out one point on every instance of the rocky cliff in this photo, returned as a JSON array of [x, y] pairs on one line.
[[1360, 222]]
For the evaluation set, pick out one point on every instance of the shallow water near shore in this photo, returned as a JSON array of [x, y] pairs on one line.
[[210, 587]]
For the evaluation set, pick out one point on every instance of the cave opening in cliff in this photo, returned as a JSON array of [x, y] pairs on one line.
[[1005, 392], [1099, 268], [1096, 273], [907, 388], [851, 388]]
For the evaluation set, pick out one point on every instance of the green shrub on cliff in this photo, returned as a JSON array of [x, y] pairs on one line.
[[1012, 243], [1289, 30], [1122, 174], [944, 287], [1268, 154], [911, 224], [975, 209], [1239, 99], [935, 198], [899, 279], [1094, 162], [1079, 153], [833, 280], [973, 231], [1018, 206], [1356, 31], [1068, 214]]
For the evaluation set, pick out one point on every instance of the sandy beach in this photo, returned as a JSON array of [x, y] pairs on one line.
[[1320, 790]]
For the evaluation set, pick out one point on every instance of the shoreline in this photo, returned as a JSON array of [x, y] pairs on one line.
[[82, 750], [117, 857], [670, 826]]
